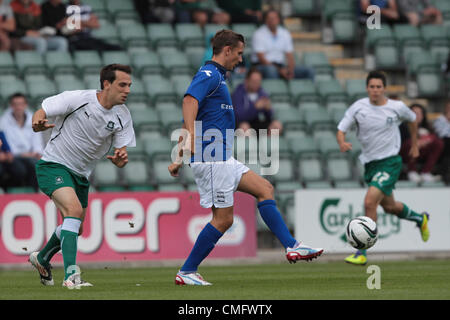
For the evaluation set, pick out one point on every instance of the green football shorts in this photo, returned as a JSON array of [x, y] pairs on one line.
[[52, 176], [384, 173]]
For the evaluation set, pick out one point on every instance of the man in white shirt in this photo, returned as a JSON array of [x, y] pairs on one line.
[[87, 124], [442, 128], [26, 146], [273, 50], [377, 119]]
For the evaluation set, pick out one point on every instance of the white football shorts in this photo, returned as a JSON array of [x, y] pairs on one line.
[[217, 181]]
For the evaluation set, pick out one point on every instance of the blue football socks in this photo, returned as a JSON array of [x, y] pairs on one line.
[[272, 218], [204, 244]]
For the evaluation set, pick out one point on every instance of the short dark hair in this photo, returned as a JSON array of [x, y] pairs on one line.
[[251, 71], [225, 38], [17, 95], [109, 72], [375, 74], [268, 11]]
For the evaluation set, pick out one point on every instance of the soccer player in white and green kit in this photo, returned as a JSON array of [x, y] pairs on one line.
[[87, 123], [377, 119]]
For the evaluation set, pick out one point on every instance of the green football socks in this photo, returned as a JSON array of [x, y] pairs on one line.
[[51, 248], [69, 238], [411, 215]]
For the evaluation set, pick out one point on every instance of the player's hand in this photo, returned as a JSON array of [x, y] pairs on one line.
[[414, 152], [345, 146], [41, 125], [174, 169], [120, 157]]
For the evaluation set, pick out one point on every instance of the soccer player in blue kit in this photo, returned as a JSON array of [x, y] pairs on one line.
[[208, 118]]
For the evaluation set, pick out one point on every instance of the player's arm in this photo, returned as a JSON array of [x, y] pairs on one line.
[[343, 145], [186, 142], [414, 151], [39, 121], [120, 157]]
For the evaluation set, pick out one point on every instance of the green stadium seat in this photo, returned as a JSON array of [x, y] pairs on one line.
[[195, 56], [88, 61], [59, 62], [387, 55], [7, 63], [277, 89], [211, 29], [345, 27], [356, 89], [328, 146], [68, 82], [376, 36], [302, 90], [161, 173], [121, 9], [136, 172], [285, 172], [107, 32], [11, 86], [146, 63], [339, 168], [318, 185], [106, 174], [319, 62], [170, 187], [146, 119], [347, 184], [310, 168], [110, 57], [133, 34], [30, 62], [181, 83], [161, 34], [158, 147], [175, 62], [98, 7], [290, 118], [40, 89], [160, 90], [304, 8], [246, 29], [138, 92], [171, 120], [189, 34], [301, 146], [316, 118], [331, 90]]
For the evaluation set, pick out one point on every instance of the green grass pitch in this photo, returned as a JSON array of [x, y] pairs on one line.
[[419, 279]]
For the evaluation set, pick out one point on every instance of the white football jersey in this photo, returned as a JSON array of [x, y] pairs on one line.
[[377, 127], [84, 130]]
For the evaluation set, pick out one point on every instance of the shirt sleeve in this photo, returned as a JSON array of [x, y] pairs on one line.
[[59, 104], [203, 84], [348, 120], [125, 136], [406, 114]]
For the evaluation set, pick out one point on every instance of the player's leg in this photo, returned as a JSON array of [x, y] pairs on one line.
[[70, 207], [263, 191], [205, 243], [390, 205]]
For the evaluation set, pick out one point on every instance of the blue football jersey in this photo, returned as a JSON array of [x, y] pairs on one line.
[[215, 119]]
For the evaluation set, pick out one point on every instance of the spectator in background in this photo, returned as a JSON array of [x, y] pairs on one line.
[[7, 25], [419, 12], [82, 39], [29, 28], [430, 148], [273, 50], [11, 168], [200, 12], [248, 11], [252, 105], [388, 9], [442, 128], [152, 11], [25, 145]]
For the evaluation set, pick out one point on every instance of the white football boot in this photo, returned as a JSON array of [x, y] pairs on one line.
[[44, 272], [74, 282], [302, 252], [193, 278]]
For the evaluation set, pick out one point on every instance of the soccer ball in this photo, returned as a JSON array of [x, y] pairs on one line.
[[362, 232]]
